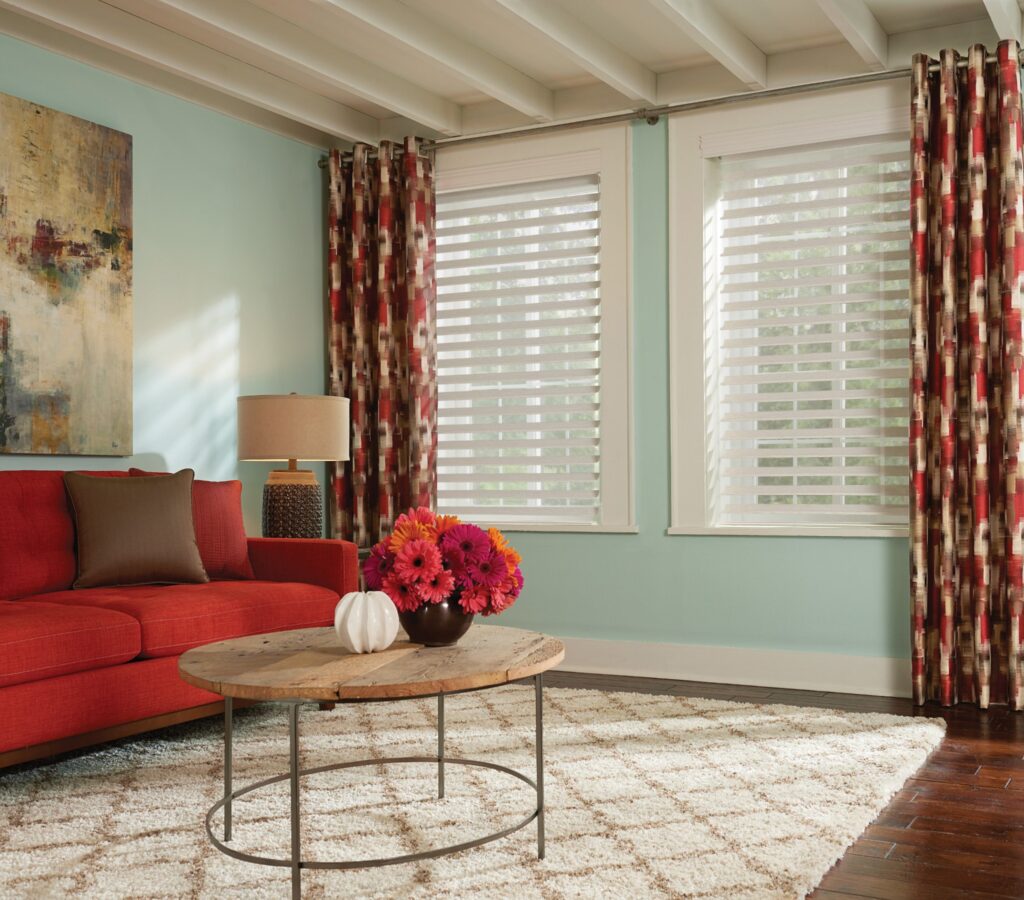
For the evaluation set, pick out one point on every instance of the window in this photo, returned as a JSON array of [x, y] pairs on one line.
[[805, 336], [524, 299]]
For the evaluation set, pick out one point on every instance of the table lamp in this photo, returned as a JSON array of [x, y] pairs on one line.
[[290, 427]]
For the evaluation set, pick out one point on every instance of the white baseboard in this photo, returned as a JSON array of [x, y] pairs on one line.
[[880, 676]]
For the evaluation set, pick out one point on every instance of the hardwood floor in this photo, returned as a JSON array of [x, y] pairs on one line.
[[956, 830]]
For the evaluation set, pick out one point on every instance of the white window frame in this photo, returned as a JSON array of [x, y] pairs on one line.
[[604, 151], [694, 140]]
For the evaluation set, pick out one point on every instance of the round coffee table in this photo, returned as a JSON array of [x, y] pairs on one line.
[[310, 666]]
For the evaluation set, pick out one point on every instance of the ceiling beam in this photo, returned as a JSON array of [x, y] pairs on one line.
[[266, 39], [66, 44], [483, 71], [111, 28], [859, 26], [1006, 18], [726, 43], [588, 48]]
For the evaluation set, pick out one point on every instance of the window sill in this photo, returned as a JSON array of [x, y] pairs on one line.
[[858, 531]]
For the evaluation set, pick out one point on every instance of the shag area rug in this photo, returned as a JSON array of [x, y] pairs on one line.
[[646, 796]]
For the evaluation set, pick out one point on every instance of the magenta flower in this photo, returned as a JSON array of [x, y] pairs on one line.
[[378, 566], [472, 541], [454, 559], [490, 571]]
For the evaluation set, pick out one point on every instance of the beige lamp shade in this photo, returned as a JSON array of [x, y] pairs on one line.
[[281, 427]]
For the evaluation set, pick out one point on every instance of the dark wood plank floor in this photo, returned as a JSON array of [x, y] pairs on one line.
[[956, 830]]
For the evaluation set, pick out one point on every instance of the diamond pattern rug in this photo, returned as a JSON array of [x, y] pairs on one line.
[[647, 796]]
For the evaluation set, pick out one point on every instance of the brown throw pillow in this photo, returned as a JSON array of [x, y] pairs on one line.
[[134, 530]]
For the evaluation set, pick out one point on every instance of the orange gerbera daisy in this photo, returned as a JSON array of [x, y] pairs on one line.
[[512, 557], [445, 523], [409, 530], [498, 540]]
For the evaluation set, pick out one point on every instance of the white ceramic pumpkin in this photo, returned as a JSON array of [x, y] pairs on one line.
[[366, 621]]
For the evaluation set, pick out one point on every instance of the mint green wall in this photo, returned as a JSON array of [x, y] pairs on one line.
[[839, 595], [229, 265], [229, 293]]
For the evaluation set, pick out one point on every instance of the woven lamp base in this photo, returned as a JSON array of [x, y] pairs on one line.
[[292, 506]]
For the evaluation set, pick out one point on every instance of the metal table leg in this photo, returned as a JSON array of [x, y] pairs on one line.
[[293, 776], [228, 740], [293, 741], [538, 684], [440, 746]]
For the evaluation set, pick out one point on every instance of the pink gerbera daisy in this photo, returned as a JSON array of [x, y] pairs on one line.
[[475, 600], [417, 561], [438, 589], [378, 566], [499, 601], [402, 595], [472, 541], [422, 514], [490, 571]]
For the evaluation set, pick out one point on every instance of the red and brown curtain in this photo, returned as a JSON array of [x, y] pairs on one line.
[[967, 391], [382, 343]]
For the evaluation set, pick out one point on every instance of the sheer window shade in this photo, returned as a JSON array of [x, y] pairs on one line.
[[519, 354], [808, 363]]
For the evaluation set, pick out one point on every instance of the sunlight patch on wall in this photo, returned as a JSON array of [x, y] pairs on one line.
[[187, 378]]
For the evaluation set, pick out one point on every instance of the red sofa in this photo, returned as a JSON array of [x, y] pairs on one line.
[[79, 667]]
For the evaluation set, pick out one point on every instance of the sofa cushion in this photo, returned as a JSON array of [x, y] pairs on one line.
[[179, 616], [43, 640], [37, 534], [134, 530], [220, 530], [82, 702]]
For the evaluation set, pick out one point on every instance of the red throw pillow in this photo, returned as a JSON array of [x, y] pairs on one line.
[[220, 530]]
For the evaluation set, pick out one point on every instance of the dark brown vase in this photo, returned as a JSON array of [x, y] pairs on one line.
[[437, 624]]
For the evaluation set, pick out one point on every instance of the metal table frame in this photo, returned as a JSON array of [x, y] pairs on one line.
[[295, 861]]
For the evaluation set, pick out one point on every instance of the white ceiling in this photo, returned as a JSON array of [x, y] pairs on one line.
[[334, 71]]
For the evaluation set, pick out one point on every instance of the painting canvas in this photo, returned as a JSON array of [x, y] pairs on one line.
[[65, 284]]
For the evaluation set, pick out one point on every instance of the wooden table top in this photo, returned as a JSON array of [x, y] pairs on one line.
[[310, 664]]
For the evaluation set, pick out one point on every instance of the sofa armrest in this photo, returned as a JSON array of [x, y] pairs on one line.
[[328, 563]]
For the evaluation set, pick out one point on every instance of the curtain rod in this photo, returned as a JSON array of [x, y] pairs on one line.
[[653, 113]]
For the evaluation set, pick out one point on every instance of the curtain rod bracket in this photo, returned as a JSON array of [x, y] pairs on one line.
[[650, 116]]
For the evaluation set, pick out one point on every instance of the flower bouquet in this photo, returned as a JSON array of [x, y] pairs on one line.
[[440, 572]]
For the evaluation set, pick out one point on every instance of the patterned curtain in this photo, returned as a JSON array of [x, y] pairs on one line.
[[382, 344], [967, 394]]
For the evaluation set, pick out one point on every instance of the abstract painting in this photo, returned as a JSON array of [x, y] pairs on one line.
[[65, 284]]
